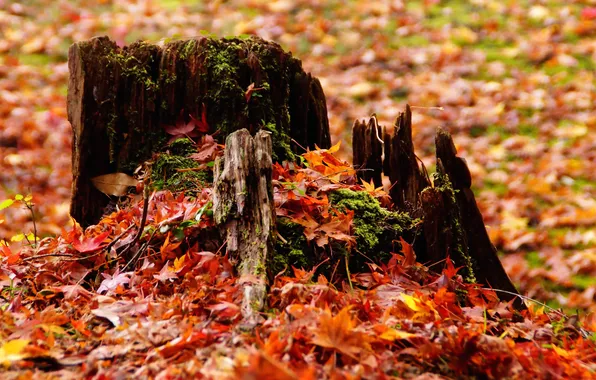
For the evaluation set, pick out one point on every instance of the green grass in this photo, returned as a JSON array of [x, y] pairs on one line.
[[500, 189], [534, 260], [38, 60], [582, 281]]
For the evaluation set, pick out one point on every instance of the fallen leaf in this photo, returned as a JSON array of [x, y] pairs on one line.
[[116, 184]]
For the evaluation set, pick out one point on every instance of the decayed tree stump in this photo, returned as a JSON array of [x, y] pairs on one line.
[[120, 99], [452, 223], [244, 211]]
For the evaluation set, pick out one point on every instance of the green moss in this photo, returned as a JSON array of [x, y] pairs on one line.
[[374, 227], [132, 67], [443, 185], [112, 136], [167, 174], [282, 141], [227, 107], [188, 49], [182, 147], [292, 248]]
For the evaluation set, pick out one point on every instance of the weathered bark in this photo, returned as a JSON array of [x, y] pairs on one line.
[[368, 150], [401, 165], [120, 99], [487, 266], [244, 211]]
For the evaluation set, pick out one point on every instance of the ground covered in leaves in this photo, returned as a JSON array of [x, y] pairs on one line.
[[108, 302], [515, 80]]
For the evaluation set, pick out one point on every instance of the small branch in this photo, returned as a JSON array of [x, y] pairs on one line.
[[142, 225], [31, 258]]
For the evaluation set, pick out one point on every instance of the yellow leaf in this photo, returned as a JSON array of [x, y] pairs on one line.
[[6, 203], [13, 351], [393, 334], [335, 147], [179, 263], [561, 352], [18, 197], [411, 302], [368, 187], [28, 198], [17, 238], [53, 328]]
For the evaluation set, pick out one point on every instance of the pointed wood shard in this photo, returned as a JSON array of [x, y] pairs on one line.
[[401, 165], [487, 266]]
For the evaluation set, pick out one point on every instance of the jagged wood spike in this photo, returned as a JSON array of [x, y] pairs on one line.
[[486, 264]]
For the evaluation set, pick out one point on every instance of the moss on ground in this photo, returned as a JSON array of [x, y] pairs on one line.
[[291, 248]]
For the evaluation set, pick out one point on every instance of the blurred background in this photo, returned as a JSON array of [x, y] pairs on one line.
[[515, 80]]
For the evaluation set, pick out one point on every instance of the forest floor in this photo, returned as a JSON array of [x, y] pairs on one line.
[[513, 81]]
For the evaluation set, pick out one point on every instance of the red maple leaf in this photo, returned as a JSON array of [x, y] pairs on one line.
[[209, 149], [193, 128], [201, 125], [90, 244]]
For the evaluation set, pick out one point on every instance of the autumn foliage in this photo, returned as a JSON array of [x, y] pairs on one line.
[[515, 81], [73, 301]]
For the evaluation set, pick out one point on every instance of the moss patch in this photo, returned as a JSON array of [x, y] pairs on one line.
[[375, 227], [232, 65], [443, 184], [294, 251], [173, 170]]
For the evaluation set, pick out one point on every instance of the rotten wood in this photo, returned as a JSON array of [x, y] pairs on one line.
[[367, 148], [244, 211], [452, 224], [120, 99], [401, 165], [487, 266]]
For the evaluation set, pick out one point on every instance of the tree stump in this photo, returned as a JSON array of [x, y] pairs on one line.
[[244, 211], [452, 223], [120, 99]]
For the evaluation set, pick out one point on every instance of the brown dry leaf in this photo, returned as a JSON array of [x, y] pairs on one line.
[[116, 184]]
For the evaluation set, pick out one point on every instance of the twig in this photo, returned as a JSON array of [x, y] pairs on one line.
[[137, 255], [584, 332], [109, 246], [31, 258], [142, 225], [376, 127]]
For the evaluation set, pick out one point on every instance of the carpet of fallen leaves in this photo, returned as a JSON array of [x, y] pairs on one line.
[[515, 80]]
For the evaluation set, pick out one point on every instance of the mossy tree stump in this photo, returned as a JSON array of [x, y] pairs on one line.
[[452, 223], [120, 99]]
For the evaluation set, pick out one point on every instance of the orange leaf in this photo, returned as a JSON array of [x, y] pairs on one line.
[[408, 252], [340, 333]]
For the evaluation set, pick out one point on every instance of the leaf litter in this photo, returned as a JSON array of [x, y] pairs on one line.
[[515, 84]]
